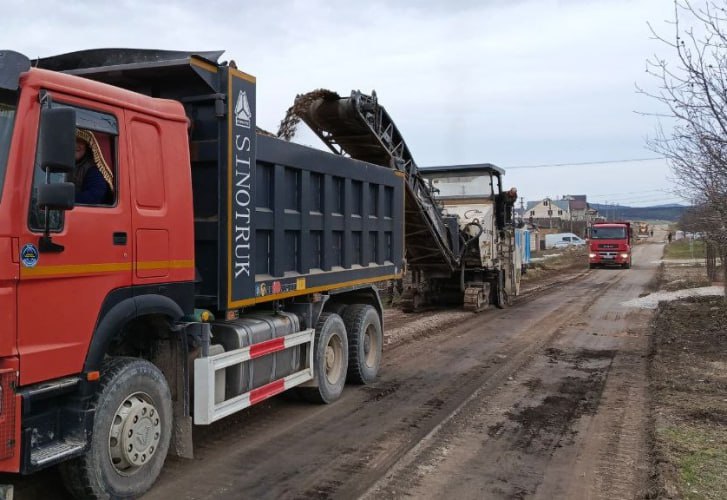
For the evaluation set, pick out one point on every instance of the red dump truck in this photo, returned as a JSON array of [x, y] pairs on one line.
[[222, 267], [610, 244]]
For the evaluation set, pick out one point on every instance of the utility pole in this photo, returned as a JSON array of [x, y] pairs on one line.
[[522, 209]]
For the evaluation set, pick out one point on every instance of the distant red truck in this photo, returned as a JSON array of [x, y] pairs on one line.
[[610, 244]]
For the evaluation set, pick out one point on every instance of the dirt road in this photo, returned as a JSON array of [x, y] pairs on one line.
[[546, 399]]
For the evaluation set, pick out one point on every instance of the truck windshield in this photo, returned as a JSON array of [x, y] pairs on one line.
[[7, 119], [608, 233], [477, 185]]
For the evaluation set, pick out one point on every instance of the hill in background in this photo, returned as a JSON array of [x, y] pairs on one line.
[[670, 212]]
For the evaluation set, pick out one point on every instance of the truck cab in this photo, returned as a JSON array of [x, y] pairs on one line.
[[610, 244], [74, 271]]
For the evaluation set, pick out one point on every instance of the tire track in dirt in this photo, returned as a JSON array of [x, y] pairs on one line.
[[396, 442], [523, 439], [349, 445], [418, 462], [614, 454]]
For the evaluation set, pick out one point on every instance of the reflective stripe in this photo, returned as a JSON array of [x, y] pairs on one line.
[[110, 267], [321, 288]]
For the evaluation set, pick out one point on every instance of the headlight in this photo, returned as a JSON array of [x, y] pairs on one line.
[[591, 255], [624, 256]]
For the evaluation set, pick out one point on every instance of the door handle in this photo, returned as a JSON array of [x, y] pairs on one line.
[[120, 238]]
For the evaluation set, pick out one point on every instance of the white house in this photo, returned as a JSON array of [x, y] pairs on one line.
[[547, 208]]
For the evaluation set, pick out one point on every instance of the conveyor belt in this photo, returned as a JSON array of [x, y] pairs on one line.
[[357, 126]]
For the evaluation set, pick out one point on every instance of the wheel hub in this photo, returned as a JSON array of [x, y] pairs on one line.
[[135, 433], [367, 343], [330, 358], [371, 346], [334, 364]]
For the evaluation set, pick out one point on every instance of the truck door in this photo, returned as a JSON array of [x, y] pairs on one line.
[[60, 295], [161, 202]]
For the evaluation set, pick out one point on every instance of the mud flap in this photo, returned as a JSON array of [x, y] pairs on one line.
[[172, 360]]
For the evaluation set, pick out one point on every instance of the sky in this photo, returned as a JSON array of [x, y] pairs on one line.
[[517, 83]]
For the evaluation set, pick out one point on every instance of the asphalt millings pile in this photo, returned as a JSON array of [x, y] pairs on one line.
[[301, 105]]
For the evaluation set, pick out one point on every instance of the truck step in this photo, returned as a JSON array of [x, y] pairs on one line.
[[55, 452]]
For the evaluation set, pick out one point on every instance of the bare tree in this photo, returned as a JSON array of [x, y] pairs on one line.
[[698, 220], [694, 94]]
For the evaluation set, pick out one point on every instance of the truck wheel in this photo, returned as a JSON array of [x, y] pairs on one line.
[[330, 360], [365, 343], [131, 433]]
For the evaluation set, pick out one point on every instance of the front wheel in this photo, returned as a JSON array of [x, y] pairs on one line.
[[131, 433]]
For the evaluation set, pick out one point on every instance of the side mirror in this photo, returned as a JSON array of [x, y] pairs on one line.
[[58, 196], [57, 141], [12, 65]]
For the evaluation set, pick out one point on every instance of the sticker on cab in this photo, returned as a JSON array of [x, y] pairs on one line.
[[29, 255]]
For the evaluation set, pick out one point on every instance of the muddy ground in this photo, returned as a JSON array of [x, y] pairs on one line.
[[688, 372], [545, 399]]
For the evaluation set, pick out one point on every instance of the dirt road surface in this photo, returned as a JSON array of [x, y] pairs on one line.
[[545, 399]]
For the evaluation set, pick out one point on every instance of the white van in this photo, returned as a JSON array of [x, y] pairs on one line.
[[562, 240]]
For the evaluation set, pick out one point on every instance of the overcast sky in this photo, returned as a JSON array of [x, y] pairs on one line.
[[514, 83]]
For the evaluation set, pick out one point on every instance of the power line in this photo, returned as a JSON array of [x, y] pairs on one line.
[[585, 163], [654, 196], [633, 199], [626, 203], [642, 204], [665, 191]]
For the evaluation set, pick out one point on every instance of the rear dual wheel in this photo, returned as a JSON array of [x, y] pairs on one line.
[[346, 349], [365, 343]]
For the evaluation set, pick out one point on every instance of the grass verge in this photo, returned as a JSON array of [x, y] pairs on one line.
[[699, 456], [683, 249], [688, 379]]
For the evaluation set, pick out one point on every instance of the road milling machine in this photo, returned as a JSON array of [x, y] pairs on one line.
[[460, 245]]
